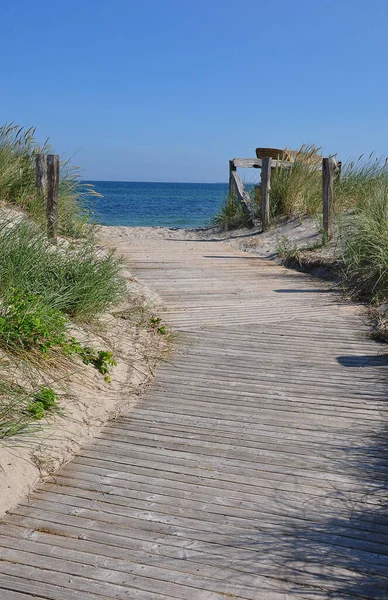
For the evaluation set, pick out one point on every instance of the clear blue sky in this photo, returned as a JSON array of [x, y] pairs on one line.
[[170, 90]]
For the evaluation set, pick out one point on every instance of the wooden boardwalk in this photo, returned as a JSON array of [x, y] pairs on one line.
[[255, 468]]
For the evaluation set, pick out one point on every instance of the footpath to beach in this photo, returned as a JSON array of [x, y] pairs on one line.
[[256, 466]]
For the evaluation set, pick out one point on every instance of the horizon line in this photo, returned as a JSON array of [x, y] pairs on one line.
[[138, 181]]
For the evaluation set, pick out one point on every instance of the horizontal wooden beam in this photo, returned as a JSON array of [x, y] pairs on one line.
[[255, 163]]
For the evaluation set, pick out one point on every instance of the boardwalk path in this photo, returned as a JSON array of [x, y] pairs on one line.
[[256, 467]]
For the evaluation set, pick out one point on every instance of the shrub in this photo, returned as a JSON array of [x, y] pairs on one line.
[[26, 322]]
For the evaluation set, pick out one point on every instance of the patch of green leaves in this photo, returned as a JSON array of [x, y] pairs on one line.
[[27, 323], [158, 326], [43, 401]]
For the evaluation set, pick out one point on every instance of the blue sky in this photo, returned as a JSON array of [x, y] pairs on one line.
[[170, 90]]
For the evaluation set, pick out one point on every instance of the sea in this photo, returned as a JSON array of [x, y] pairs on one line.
[[132, 203]]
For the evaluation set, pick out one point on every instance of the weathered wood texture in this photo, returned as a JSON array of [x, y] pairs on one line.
[[256, 163], [236, 190], [265, 189], [41, 174], [52, 195], [255, 467], [328, 174]]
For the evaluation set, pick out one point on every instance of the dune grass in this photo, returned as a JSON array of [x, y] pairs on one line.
[[18, 147], [360, 209], [365, 255], [230, 216], [80, 281], [44, 287]]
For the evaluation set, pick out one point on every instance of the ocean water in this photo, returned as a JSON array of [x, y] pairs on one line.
[[157, 204]]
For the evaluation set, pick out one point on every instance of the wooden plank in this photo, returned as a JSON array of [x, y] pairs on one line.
[[242, 196], [256, 163]]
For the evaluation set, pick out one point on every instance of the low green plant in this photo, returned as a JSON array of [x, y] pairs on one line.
[[20, 409], [285, 249], [158, 326], [102, 360], [44, 401], [27, 323]]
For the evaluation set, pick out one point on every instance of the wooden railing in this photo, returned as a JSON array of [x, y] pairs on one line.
[[330, 168]]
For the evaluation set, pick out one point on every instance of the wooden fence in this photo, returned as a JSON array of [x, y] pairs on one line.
[[47, 185], [330, 170]]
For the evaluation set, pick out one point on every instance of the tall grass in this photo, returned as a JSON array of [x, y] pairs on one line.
[[81, 282], [297, 190], [366, 247], [43, 286], [18, 147], [230, 216]]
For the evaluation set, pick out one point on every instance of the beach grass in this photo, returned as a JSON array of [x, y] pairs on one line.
[[18, 147], [45, 289], [360, 213]]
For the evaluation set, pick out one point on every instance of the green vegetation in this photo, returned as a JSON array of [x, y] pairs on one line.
[[44, 287], [366, 249], [79, 281], [361, 217], [298, 190], [20, 409], [43, 401], [18, 147], [230, 215]]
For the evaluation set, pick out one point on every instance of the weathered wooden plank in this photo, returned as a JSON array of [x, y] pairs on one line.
[[242, 196], [192, 559], [256, 163]]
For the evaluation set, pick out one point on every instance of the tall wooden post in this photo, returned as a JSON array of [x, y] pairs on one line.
[[328, 173], [266, 164], [52, 196], [231, 180], [41, 174]]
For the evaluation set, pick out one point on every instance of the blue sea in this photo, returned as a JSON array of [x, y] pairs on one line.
[[156, 204]]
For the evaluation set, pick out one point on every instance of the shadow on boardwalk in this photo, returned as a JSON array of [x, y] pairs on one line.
[[343, 555]]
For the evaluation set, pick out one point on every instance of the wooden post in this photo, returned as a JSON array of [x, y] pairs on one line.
[[265, 188], [231, 180], [52, 196], [41, 174], [328, 172]]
